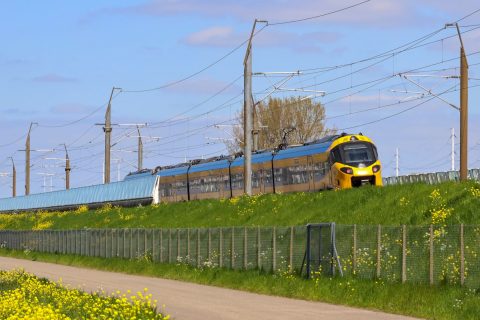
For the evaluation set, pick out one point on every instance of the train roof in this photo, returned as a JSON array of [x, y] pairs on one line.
[[173, 171], [216, 163], [304, 150], [222, 162], [139, 174], [258, 157]]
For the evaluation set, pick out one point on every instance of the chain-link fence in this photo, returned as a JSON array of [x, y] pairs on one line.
[[419, 254], [271, 249]]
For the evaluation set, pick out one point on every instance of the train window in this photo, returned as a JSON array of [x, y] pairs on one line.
[[255, 179], [336, 155], [358, 154], [165, 190], [280, 176], [267, 178], [237, 181], [319, 170]]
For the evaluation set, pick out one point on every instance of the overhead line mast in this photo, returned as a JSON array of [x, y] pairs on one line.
[[248, 114], [108, 133]]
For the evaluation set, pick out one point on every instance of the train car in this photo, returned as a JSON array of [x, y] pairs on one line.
[[173, 183], [210, 179], [334, 162]]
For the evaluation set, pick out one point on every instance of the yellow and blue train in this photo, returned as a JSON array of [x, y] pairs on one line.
[[334, 162]]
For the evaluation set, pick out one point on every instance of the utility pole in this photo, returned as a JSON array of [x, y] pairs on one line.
[[108, 132], [396, 162], [452, 137], [463, 106], [463, 111], [14, 179], [27, 161], [248, 114], [67, 169], [140, 151]]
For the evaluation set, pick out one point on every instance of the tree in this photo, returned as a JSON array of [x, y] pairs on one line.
[[295, 119]]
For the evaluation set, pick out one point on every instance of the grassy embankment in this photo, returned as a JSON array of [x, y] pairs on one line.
[[395, 205], [392, 205]]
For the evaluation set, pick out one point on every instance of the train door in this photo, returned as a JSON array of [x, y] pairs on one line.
[[310, 173]]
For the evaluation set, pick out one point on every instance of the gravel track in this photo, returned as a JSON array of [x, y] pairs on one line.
[[190, 301]]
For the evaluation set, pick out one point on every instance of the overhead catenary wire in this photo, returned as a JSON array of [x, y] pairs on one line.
[[318, 16]]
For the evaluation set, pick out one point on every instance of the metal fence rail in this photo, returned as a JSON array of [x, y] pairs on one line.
[[431, 178], [418, 254]]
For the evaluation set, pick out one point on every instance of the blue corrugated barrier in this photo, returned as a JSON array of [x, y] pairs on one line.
[[141, 188]]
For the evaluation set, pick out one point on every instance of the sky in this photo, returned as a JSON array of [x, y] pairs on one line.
[[384, 66]]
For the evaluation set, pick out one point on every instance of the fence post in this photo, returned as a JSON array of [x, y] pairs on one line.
[[106, 243], [138, 243], [245, 251], [161, 245], [220, 244], [178, 244], [153, 244], [145, 246], [291, 250], [354, 253], [404, 253], [209, 245], [431, 255], [232, 258], [259, 262], [462, 256], [169, 245], [274, 249], [124, 242], [198, 248], [131, 244], [379, 249], [188, 243]]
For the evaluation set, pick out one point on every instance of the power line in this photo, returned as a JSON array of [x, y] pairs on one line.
[[318, 16], [80, 119], [468, 15], [170, 84], [397, 113]]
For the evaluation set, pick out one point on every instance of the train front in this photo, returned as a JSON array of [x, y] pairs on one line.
[[354, 162]]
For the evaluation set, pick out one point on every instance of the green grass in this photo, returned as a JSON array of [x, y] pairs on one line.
[[391, 205], [444, 302]]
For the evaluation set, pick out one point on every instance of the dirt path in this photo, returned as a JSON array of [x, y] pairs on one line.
[[192, 301]]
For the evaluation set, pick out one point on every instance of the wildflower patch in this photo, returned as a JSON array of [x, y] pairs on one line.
[[24, 296]]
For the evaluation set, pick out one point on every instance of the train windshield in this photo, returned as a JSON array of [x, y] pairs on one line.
[[358, 154]]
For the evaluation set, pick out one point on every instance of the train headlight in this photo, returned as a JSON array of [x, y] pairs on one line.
[[376, 168], [346, 170]]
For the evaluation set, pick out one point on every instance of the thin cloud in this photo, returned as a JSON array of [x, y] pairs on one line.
[[205, 85], [220, 36], [214, 36], [384, 13], [53, 78], [70, 108]]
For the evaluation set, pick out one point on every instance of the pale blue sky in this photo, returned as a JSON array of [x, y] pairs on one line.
[[59, 61]]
